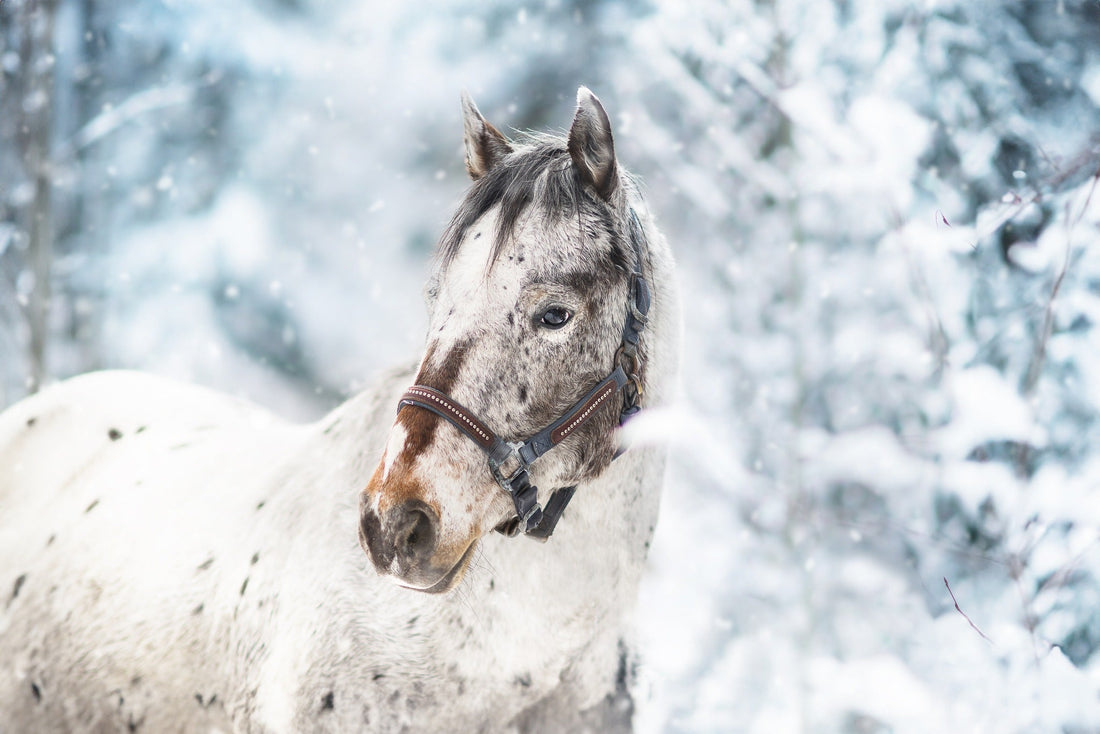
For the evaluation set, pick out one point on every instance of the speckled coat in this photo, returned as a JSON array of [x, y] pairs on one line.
[[173, 559]]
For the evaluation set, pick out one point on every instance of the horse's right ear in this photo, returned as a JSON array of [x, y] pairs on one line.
[[485, 145]]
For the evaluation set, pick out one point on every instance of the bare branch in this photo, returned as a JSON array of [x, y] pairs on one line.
[[1035, 368], [960, 611]]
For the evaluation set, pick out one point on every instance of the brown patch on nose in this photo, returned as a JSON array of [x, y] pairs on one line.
[[420, 424], [442, 376], [400, 486]]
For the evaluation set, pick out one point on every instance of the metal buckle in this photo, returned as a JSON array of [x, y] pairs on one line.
[[628, 358], [505, 477], [516, 482]]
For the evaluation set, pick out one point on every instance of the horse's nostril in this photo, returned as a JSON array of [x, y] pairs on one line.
[[415, 531], [407, 534], [372, 538], [420, 532]]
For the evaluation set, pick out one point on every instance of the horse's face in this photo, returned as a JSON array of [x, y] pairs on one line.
[[526, 311]]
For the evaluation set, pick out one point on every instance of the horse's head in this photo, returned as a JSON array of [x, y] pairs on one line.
[[526, 314]]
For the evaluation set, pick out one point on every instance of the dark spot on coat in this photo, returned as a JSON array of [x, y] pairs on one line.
[[255, 558], [141, 429], [31, 422], [511, 319], [260, 504], [198, 609], [524, 681], [328, 702], [50, 540], [206, 564], [412, 621], [523, 394], [91, 507], [114, 434], [206, 702], [492, 584], [17, 586], [132, 725], [378, 676], [244, 585], [624, 672], [36, 691]]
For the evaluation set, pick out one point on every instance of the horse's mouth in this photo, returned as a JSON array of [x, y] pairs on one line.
[[452, 577]]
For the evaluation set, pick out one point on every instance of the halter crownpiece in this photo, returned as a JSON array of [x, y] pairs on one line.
[[510, 462]]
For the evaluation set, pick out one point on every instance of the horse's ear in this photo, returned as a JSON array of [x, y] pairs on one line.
[[591, 146], [485, 145]]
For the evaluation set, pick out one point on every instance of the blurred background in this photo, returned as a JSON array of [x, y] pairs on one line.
[[883, 510]]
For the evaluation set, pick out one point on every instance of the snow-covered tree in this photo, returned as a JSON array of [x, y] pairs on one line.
[[890, 209]]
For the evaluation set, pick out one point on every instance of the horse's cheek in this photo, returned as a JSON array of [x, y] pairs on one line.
[[462, 488]]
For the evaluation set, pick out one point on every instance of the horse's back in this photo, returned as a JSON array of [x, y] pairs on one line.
[[63, 448], [48, 436], [118, 492]]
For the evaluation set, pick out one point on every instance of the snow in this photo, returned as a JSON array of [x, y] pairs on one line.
[[872, 205]]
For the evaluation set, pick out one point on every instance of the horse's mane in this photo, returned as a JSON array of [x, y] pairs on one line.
[[538, 171]]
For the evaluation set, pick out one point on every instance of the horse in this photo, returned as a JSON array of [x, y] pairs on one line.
[[174, 559]]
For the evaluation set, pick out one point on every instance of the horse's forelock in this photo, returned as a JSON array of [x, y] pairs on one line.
[[540, 173]]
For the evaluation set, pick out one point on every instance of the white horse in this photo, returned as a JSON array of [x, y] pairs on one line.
[[172, 559]]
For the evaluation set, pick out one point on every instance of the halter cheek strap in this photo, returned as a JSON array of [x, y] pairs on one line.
[[510, 462]]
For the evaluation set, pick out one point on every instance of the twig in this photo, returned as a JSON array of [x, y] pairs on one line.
[[960, 611], [938, 342], [1035, 368]]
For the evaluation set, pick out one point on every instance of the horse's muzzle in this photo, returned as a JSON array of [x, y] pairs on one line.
[[403, 543]]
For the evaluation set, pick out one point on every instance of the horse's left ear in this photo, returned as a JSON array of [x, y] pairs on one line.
[[485, 145], [591, 146]]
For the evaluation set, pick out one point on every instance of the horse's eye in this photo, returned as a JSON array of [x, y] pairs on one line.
[[555, 317]]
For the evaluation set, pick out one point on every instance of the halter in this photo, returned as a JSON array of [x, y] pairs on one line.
[[510, 461]]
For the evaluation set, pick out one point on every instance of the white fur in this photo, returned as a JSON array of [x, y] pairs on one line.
[[394, 446]]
